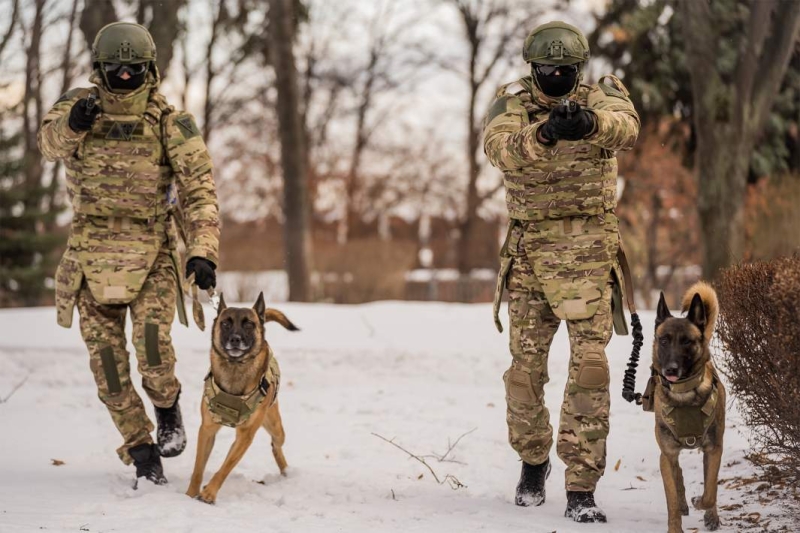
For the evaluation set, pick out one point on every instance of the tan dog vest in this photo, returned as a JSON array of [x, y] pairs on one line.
[[234, 410]]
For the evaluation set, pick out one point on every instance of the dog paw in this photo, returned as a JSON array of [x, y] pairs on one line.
[[697, 501], [685, 509], [702, 505], [711, 520], [207, 496]]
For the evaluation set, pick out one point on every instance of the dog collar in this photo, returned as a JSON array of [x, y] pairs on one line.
[[234, 410], [686, 384]]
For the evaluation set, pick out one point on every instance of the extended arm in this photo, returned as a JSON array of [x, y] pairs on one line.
[[509, 139]]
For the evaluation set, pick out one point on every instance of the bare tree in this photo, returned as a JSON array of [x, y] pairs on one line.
[[294, 160], [161, 19], [729, 114], [481, 20], [66, 82], [379, 75]]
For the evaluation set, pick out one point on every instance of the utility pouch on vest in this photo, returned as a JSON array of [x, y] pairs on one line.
[[649, 396], [69, 276], [502, 274]]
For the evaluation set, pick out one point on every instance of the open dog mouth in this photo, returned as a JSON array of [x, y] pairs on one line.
[[671, 378], [235, 351]]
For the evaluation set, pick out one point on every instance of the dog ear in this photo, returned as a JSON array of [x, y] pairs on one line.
[[697, 313], [260, 307], [663, 311], [222, 305]]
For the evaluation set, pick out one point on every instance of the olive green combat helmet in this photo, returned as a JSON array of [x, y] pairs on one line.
[[125, 43], [556, 43]]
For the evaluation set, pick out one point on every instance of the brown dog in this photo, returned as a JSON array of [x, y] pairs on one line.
[[689, 400], [240, 391]]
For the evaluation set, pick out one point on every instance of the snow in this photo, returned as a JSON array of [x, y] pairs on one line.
[[421, 373]]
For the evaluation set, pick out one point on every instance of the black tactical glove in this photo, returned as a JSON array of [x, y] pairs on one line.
[[203, 270], [79, 118], [568, 126]]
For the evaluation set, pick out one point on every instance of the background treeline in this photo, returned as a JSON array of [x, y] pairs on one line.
[[380, 105]]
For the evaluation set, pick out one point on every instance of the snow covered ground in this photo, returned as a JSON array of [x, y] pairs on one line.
[[421, 373]]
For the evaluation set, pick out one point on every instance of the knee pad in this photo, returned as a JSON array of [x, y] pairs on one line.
[[593, 371], [520, 387]]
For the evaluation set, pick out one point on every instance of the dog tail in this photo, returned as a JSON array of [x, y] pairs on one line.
[[709, 297], [273, 315]]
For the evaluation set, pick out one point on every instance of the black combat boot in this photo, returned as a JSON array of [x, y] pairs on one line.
[[581, 508], [148, 463], [170, 434], [530, 489]]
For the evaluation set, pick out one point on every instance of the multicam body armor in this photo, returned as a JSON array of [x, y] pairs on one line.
[[124, 178], [568, 190]]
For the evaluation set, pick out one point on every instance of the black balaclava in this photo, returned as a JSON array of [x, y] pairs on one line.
[[115, 83], [555, 86], [134, 82]]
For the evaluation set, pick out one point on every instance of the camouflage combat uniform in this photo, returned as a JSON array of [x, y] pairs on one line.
[[124, 178], [559, 263]]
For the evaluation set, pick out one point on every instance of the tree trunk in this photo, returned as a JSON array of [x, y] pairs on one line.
[[729, 116], [95, 15], [163, 26], [66, 81], [297, 234], [469, 221]]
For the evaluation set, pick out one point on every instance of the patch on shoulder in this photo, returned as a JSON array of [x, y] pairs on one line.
[[187, 126], [499, 107]]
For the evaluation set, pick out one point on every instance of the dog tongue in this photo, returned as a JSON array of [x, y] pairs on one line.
[[672, 379]]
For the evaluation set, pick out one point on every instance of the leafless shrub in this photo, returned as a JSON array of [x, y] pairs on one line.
[[760, 333]]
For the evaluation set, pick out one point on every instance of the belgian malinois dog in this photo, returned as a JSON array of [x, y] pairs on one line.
[[689, 400], [240, 391]]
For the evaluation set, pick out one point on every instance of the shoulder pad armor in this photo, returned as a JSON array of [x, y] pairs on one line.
[[615, 88], [74, 93]]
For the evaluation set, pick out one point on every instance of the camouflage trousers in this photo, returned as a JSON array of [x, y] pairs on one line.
[[103, 331], [583, 426]]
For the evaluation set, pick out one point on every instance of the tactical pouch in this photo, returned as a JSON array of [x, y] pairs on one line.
[[69, 276], [649, 396], [505, 265]]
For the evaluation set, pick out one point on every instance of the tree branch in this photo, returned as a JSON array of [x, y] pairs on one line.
[[11, 24], [450, 479], [775, 56], [697, 23], [755, 34]]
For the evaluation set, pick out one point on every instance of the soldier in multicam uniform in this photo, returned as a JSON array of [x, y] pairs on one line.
[[131, 160], [559, 259]]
